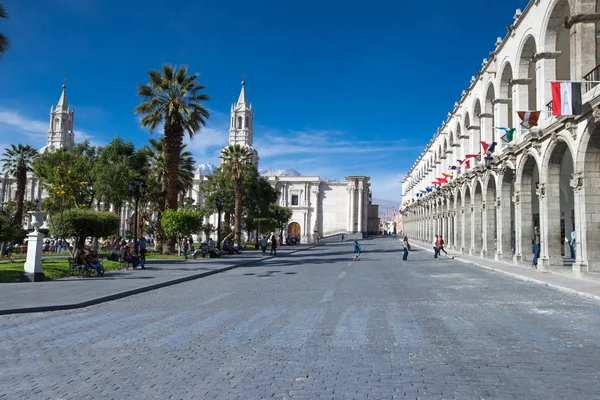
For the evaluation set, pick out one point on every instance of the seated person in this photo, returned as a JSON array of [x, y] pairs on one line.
[[92, 260], [133, 258], [227, 248]]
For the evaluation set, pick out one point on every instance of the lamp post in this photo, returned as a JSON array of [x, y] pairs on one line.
[[136, 187], [219, 204], [257, 222]]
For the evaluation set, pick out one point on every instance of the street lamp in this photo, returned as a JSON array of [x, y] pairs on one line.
[[136, 188], [257, 222], [219, 204]]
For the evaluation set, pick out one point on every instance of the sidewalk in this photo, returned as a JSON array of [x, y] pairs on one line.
[[573, 285], [71, 293]]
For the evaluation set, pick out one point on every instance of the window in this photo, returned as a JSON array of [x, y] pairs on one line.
[[294, 199], [239, 123]]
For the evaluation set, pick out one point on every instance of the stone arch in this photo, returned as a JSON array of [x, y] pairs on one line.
[[460, 150], [506, 234], [504, 108], [528, 205], [468, 132], [556, 38], [559, 221], [466, 230], [587, 201], [487, 128], [526, 70], [451, 138], [476, 125], [489, 226], [458, 221], [477, 218]]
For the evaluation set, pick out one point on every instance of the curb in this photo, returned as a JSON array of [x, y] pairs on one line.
[[127, 293], [525, 278]]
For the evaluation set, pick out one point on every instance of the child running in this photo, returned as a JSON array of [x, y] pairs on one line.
[[356, 251]]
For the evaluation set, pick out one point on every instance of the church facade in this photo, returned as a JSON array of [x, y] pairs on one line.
[[545, 176], [319, 207]]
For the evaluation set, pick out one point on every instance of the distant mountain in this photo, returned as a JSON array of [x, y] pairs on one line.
[[206, 169], [386, 206], [278, 172]]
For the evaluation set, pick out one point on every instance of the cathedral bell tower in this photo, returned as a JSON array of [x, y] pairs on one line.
[[242, 121], [60, 132]]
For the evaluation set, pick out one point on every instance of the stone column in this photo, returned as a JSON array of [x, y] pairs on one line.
[[485, 230], [476, 227], [33, 264], [583, 253], [361, 202], [463, 217], [524, 229], [551, 241], [350, 208]]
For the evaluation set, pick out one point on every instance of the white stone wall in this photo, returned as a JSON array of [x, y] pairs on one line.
[[335, 209], [547, 173]]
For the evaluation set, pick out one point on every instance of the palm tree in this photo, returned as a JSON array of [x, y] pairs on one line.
[[4, 43], [235, 159], [157, 179], [173, 98], [17, 162]]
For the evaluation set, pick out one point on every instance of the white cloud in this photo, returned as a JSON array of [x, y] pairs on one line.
[[13, 123]]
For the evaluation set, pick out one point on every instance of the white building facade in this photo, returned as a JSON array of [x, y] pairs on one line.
[[319, 207], [547, 175]]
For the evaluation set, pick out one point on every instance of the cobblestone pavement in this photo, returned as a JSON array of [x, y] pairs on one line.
[[315, 325]]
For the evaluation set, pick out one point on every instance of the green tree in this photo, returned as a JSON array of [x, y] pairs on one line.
[[4, 43], [235, 159], [282, 216], [17, 162], [9, 229], [81, 223], [153, 202], [181, 223], [117, 163], [173, 98], [68, 177]]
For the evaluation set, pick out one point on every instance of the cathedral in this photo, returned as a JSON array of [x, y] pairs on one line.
[[320, 208]]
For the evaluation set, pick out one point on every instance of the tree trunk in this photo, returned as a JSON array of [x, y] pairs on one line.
[[237, 189], [173, 144], [20, 196]]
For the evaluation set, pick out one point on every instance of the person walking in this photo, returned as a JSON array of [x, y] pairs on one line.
[[406, 246], [441, 245], [263, 245], [435, 247], [185, 246], [572, 244], [356, 251], [536, 245], [342, 237], [273, 245]]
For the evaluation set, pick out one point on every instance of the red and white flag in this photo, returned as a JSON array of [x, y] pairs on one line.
[[566, 98], [529, 118]]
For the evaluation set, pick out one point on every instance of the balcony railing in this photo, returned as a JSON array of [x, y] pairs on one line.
[[591, 80], [549, 110]]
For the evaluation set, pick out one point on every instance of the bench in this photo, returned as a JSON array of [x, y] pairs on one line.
[[78, 269]]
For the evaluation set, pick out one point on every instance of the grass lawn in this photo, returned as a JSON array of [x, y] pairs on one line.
[[52, 268]]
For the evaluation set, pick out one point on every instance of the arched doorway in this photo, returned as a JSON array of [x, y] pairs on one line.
[[587, 201], [458, 223], [477, 227], [293, 229], [557, 39], [490, 218], [506, 215], [560, 205], [529, 210]]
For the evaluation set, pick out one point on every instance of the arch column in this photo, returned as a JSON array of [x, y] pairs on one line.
[[550, 237], [582, 253], [476, 226]]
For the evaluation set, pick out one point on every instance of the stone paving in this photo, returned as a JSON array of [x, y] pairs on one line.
[[76, 292], [314, 325]]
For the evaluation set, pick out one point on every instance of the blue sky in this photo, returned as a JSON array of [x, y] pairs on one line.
[[338, 87]]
